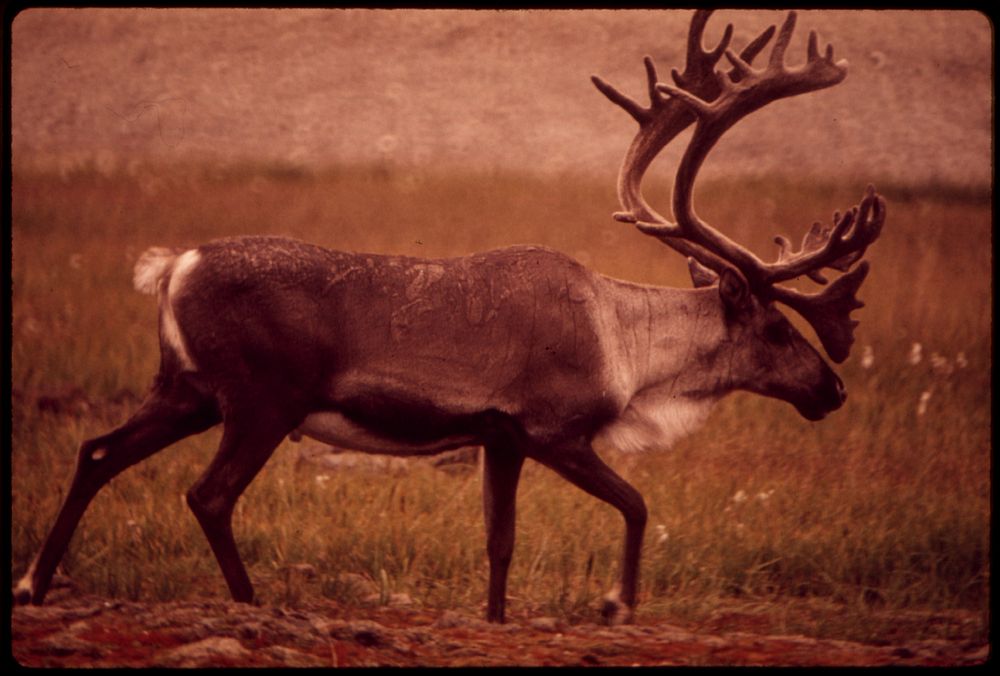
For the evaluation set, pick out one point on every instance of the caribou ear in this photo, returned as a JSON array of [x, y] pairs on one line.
[[734, 291], [700, 275]]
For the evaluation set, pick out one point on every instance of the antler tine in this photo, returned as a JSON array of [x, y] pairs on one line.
[[751, 51], [621, 100], [777, 60]]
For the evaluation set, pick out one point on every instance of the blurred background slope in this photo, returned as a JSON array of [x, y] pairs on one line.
[[505, 90]]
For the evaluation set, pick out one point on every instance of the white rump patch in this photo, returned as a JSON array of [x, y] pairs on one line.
[[182, 267], [652, 421], [151, 267]]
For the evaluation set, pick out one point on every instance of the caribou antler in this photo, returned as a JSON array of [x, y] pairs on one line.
[[833, 246], [666, 117], [718, 101], [829, 311]]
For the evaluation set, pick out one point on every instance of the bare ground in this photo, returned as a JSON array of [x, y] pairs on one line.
[[75, 630]]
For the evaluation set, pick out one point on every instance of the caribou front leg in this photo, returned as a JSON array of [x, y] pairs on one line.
[[580, 465], [501, 472]]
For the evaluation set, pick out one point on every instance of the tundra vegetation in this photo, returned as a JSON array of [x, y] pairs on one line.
[[881, 509]]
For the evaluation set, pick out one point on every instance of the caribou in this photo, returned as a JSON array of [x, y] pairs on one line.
[[521, 350]]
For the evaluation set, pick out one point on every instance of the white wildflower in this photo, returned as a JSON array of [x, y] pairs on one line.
[[134, 528], [867, 357], [941, 365], [960, 360], [925, 397], [740, 496], [764, 496], [661, 534], [916, 354]]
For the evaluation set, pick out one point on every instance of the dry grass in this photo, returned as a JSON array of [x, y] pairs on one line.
[[878, 508]]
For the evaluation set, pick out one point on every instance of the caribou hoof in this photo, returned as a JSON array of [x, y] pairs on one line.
[[615, 612], [22, 594], [22, 597]]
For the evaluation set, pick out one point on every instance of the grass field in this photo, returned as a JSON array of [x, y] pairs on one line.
[[882, 508]]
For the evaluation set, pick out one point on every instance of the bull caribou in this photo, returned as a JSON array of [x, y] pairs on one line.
[[521, 350]]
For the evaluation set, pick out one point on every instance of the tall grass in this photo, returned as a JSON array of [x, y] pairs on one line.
[[878, 508]]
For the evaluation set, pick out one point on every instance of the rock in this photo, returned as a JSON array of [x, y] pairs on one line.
[[364, 632], [68, 643], [551, 624], [53, 612], [295, 658], [205, 652], [250, 630], [451, 619], [192, 633], [394, 600], [355, 586], [306, 571], [421, 635]]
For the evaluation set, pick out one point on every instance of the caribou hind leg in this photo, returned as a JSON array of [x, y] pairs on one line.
[[249, 437], [581, 466], [171, 411]]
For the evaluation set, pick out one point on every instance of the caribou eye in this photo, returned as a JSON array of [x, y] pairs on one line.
[[778, 332]]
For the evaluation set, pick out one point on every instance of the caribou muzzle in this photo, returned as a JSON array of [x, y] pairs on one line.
[[827, 398]]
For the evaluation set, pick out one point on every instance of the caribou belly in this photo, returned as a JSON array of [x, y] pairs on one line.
[[335, 429]]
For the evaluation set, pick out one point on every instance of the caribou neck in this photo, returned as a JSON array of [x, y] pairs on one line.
[[672, 342]]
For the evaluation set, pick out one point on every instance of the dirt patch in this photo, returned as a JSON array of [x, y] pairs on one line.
[[76, 630]]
